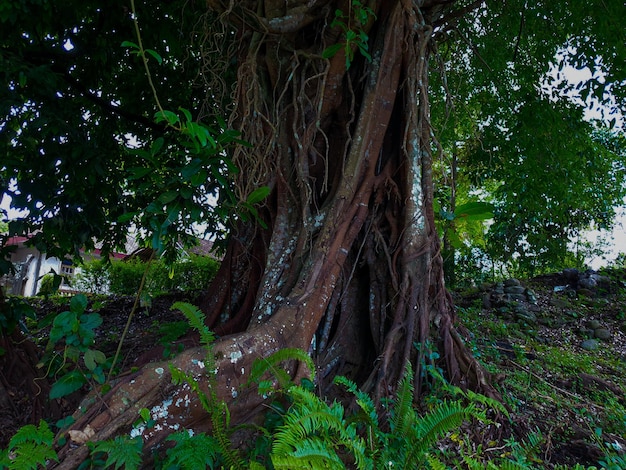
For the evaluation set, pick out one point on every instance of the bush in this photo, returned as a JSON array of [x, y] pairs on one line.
[[124, 277]]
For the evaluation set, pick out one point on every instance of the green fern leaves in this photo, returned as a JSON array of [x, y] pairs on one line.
[[29, 448]]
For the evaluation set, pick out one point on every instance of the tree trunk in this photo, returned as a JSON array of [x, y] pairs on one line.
[[349, 266]]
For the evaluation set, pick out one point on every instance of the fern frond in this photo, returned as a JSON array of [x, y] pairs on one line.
[[364, 401], [196, 319], [403, 414], [32, 434], [123, 451], [312, 452], [310, 423], [510, 465], [30, 448], [428, 429], [435, 464], [192, 452], [271, 364], [27, 456]]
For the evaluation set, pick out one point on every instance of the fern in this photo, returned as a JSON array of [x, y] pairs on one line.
[[436, 424], [122, 451], [29, 448], [402, 412], [365, 402], [192, 452], [217, 409], [196, 319], [313, 431], [270, 364]]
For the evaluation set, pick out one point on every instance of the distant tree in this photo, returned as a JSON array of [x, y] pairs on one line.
[[342, 257]]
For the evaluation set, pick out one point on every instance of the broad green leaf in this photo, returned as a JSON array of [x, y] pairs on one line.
[[78, 304], [331, 51], [130, 44], [93, 357], [154, 54], [67, 384], [169, 116], [258, 195]]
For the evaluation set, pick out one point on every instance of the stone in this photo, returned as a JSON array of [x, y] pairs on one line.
[[595, 324], [486, 297], [526, 316], [589, 345], [585, 292], [512, 282], [515, 297], [587, 283], [602, 333], [514, 290], [531, 296], [560, 303], [571, 275]]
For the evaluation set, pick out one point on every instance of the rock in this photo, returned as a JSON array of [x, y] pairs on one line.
[[571, 275], [486, 297], [602, 333], [512, 282], [595, 324], [515, 297], [585, 292], [526, 316], [560, 303], [514, 290], [531, 296], [589, 345], [587, 283]]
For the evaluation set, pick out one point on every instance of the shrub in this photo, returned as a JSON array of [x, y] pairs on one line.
[[124, 277]]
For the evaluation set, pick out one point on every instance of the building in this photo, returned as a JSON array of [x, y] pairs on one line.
[[31, 265]]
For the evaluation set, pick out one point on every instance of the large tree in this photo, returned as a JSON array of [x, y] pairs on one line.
[[342, 258]]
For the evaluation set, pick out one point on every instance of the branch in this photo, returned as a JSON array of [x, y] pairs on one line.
[[446, 21]]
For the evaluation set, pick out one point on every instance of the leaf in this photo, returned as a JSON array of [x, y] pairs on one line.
[[67, 384], [258, 195], [130, 44], [123, 451], [475, 211], [169, 116], [93, 357], [186, 113], [154, 54], [331, 51], [156, 146], [81, 436], [78, 303]]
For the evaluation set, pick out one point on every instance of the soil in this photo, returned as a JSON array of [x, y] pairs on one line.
[[156, 331]]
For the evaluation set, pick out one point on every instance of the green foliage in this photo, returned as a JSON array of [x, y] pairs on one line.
[[30, 448], [192, 451], [77, 100], [75, 329], [353, 26], [124, 277], [50, 284], [217, 409], [122, 451], [12, 313]]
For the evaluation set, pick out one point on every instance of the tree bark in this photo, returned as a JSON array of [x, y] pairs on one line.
[[348, 267]]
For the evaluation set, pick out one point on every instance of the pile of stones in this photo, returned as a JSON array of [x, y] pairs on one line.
[[512, 299]]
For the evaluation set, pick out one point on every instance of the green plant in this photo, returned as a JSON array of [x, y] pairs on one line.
[[30, 448], [75, 329], [219, 443], [355, 37]]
